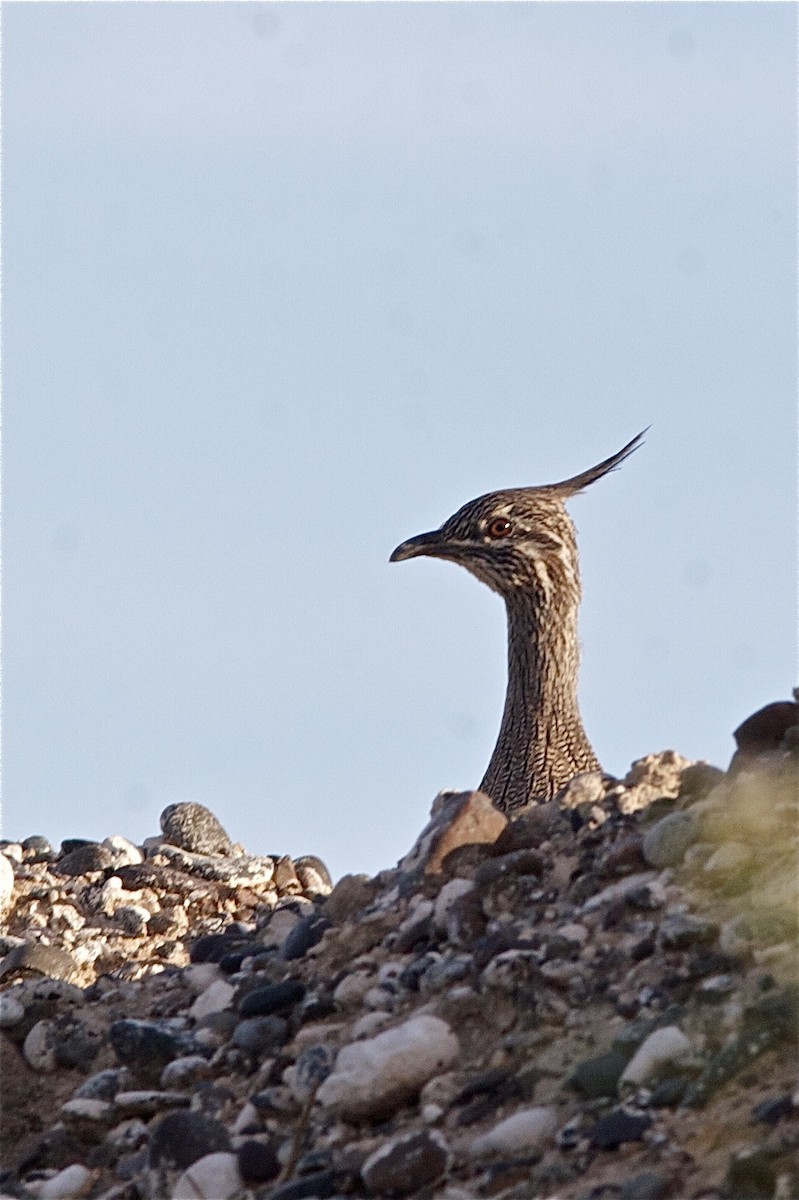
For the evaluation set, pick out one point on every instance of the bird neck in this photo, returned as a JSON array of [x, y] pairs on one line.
[[541, 742]]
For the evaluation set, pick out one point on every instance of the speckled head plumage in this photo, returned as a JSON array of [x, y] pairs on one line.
[[521, 542]]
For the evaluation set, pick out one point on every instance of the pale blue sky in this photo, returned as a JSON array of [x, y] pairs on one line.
[[287, 283]]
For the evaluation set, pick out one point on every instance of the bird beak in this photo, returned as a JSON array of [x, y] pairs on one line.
[[423, 543]]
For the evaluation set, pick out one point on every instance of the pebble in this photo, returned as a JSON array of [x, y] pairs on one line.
[[278, 998], [528, 1129], [256, 1035], [194, 827], [143, 1046], [72, 1183], [258, 1161], [373, 1078], [453, 890], [665, 843], [663, 1047], [125, 852], [649, 1185], [405, 1164], [40, 1047], [617, 1126], [306, 933], [213, 1177], [38, 959], [11, 1011]]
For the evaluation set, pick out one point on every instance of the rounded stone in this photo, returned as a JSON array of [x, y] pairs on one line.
[[258, 1161], [6, 882], [306, 933], [278, 998], [665, 843], [143, 1046], [663, 1047], [40, 1047], [194, 827], [11, 1011], [72, 1183], [255, 1035], [529, 1129]]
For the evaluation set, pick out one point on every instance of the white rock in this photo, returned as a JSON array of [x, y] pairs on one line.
[[280, 926], [450, 892], [248, 1121], [529, 1129], [214, 1177], [69, 1184], [215, 998], [663, 1046], [6, 882], [39, 1047], [125, 853], [375, 1076], [13, 851], [574, 933], [11, 1011]]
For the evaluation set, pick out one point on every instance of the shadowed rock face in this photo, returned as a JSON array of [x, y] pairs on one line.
[[522, 544]]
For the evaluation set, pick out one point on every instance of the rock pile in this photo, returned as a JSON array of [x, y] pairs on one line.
[[595, 1000]]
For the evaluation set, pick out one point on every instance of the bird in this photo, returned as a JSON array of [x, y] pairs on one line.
[[522, 543]]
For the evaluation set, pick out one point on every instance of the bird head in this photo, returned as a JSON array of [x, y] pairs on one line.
[[520, 539]]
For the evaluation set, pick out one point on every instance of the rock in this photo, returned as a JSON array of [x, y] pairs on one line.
[[258, 1161], [617, 1126], [306, 933], [731, 856], [528, 1129], [34, 958], [257, 1035], [374, 1077], [182, 1138], [184, 1072], [277, 998], [216, 997], [405, 1164], [213, 1177], [104, 1085], [132, 919], [651, 778], [682, 931], [11, 1011], [457, 819], [86, 860], [351, 895], [773, 1110], [70, 1184], [194, 827], [665, 843], [453, 890], [663, 1047], [764, 731], [314, 1064], [40, 1046], [313, 875], [600, 1075], [587, 788], [143, 1046], [37, 849], [125, 852]]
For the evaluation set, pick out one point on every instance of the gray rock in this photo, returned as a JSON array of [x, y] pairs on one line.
[[256, 1035], [665, 843], [181, 1138], [34, 958], [144, 1046], [85, 861]]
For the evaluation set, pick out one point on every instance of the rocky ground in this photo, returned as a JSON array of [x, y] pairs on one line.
[[595, 1001]]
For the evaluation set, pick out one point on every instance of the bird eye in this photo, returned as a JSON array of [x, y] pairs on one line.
[[500, 527]]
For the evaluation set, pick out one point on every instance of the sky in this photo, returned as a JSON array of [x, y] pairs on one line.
[[285, 284]]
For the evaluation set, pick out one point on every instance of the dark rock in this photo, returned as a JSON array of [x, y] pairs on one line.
[[77, 1045], [215, 947], [599, 1076], [277, 998], [194, 827], [518, 862], [315, 1006], [181, 1138], [34, 958], [306, 933], [70, 844], [421, 934], [406, 1164], [771, 1111], [617, 1126], [322, 1185], [531, 828], [258, 1161], [646, 1186], [622, 858], [285, 877], [668, 1093], [144, 1047], [765, 729], [85, 861], [256, 1035], [37, 849], [104, 1085]]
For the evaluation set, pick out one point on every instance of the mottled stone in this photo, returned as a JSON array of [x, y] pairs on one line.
[[34, 958], [405, 1164], [86, 860], [351, 895], [194, 827], [144, 1046]]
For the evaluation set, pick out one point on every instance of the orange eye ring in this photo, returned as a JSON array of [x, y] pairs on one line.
[[500, 527]]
